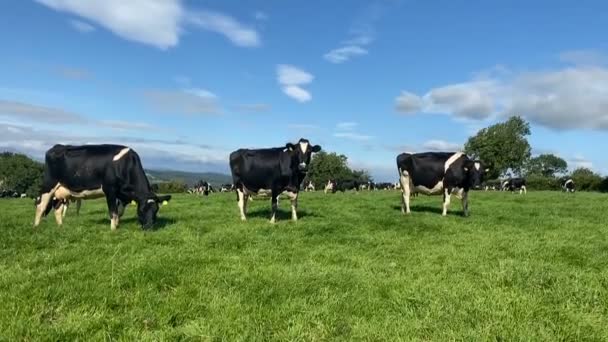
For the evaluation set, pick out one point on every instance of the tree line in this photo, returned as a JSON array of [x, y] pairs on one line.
[[503, 147]]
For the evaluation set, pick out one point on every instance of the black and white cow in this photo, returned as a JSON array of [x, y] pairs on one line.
[[569, 186], [274, 170], [384, 186], [309, 186], [513, 184], [342, 186], [226, 187], [439, 172], [92, 171]]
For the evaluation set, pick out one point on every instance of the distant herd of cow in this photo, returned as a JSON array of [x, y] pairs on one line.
[[75, 173]]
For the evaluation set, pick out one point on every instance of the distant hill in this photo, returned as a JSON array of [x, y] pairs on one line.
[[190, 178]]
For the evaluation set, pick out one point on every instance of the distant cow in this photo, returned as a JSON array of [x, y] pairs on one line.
[[569, 186], [513, 184], [92, 171], [226, 187], [342, 186], [439, 172], [384, 186], [276, 170], [309, 186]]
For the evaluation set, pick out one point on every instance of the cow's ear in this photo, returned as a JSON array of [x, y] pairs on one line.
[[316, 148], [487, 170], [290, 146], [164, 200], [466, 168]]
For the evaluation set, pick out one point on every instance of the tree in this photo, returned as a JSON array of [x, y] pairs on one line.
[[20, 173], [325, 166], [586, 179], [502, 146], [547, 165]]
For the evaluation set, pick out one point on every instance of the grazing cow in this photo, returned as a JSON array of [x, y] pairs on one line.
[[384, 186], [439, 172], [569, 186], [92, 171], [513, 184], [274, 170]]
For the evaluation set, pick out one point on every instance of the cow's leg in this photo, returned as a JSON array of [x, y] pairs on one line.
[[274, 201], [60, 212], [64, 208], [447, 193], [78, 205], [293, 196], [404, 179], [523, 188], [242, 200], [45, 199], [112, 202], [465, 203]]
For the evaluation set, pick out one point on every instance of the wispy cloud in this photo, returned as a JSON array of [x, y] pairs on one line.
[[253, 107], [344, 53], [156, 23], [291, 79], [194, 101], [260, 15], [579, 161], [353, 136], [583, 57], [81, 26], [227, 26], [36, 113], [361, 34], [346, 126], [441, 146]]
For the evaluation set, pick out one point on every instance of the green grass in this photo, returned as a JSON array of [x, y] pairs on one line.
[[524, 268]]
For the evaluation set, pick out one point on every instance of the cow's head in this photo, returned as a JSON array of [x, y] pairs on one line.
[[147, 209], [302, 153], [474, 171]]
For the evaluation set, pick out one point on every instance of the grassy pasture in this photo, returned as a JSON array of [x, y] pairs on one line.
[[526, 268]]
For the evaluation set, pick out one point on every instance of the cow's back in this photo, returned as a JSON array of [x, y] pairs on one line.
[[260, 168], [86, 166]]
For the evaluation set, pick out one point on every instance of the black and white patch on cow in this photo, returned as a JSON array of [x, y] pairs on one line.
[[433, 173], [274, 170], [93, 171]]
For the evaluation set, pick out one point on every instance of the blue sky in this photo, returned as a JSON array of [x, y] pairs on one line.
[[186, 82]]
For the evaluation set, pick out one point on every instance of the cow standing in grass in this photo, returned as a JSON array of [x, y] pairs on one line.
[[273, 170], [569, 186], [439, 172], [513, 184], [93, 171]]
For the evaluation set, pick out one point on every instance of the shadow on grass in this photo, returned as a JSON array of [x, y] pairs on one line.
[[161, 222], [429, 209], [281, 214]]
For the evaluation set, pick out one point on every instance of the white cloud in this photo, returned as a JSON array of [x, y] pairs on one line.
[[346, 126], [343, 54], [292, 79], [353, 136], [156, 23], [573, 97], [194, 101], [120, 125], [150, 22], [441, 146], [81, 26], [75, 73], [227, 26], [408, 102], [35, 113]]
